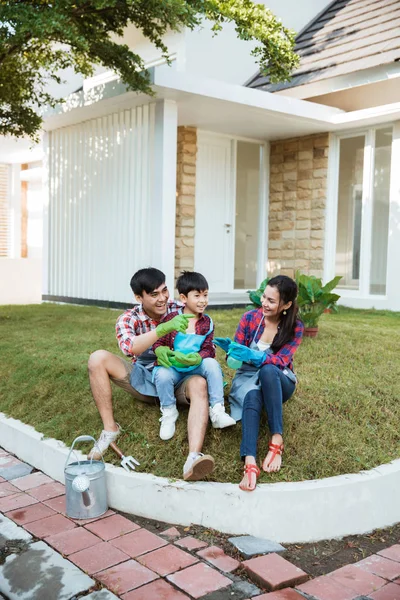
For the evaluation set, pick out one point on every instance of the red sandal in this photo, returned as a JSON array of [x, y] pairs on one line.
[[248, 470], [275, 449]]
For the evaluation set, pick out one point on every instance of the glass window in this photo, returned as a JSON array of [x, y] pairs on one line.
[[247, 215], [380, 207], [349, 217]]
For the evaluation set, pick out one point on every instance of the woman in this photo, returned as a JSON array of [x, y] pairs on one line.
[[265, 341]]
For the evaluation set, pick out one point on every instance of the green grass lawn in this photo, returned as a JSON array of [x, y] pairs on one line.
[[344, 416]]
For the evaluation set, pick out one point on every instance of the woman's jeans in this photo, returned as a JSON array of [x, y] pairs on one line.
[[276, 388], [166, 381]]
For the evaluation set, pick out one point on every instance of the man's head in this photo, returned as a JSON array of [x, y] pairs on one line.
[[193, 291], [151, 291]]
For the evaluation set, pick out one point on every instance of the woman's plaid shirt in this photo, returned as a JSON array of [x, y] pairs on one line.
[[135, 321], [246, 331]]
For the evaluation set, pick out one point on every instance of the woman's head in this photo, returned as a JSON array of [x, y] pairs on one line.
[[279, 302]]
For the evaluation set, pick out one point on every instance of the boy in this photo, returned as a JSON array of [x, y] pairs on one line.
[[193, 353]]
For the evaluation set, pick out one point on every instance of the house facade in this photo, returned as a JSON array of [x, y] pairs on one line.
[[236, 181]]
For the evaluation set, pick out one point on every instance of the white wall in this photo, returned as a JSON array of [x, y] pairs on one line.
[[21, 280]]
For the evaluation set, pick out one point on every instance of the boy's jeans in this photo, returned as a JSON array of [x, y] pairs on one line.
[[167, 379]]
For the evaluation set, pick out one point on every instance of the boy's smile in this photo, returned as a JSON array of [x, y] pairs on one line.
[[195, 302]]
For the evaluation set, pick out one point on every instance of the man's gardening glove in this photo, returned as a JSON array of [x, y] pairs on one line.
[[164, 356], [188, 360], [223, 343], [245, 354], [178, 323]]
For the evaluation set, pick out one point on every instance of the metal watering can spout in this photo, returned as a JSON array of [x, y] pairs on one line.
[[85, 480]]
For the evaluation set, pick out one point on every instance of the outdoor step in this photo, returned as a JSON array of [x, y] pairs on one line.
[[40, 572]]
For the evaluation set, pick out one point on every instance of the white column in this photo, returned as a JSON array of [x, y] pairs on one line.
[[15, 211], [164, 198], [393, 279], [46, 199]]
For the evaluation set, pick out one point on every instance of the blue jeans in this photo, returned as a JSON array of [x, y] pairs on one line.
[[276, 388], [166, 380]]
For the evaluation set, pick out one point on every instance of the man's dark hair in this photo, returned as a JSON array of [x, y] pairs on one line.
[[146, 280], [188, 281]]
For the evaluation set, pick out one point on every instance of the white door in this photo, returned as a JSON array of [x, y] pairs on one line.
[[215, 198]]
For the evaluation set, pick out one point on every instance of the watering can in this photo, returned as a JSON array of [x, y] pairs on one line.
[[85, 485]]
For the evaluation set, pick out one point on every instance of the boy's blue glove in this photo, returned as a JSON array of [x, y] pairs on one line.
[[223, 343], [245, 354]]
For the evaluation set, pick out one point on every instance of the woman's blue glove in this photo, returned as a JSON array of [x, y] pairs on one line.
[[245, 354], [223, 343]]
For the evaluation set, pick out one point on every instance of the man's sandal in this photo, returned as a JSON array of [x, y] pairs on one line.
[[276, 449], [248, 470]]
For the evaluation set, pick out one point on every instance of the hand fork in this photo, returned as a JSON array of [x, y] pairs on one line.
[[127, 462]]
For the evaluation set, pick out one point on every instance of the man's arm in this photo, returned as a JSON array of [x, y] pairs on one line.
[[130, 343]]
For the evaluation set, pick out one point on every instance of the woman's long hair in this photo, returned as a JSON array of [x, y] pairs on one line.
[[287, 289]]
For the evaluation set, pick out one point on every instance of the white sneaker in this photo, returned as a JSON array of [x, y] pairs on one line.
[[197, 466], [168, 419], [219, 418], [101, 447]]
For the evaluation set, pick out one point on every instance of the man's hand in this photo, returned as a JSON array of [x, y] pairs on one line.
[[188, 360], [178, 323], [223, 343], [164, 356]]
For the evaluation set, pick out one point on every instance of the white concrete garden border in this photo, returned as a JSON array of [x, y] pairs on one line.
[[284, 512]]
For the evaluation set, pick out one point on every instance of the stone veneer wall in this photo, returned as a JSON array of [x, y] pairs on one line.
[[185, 199], [3, 210], [298, 183]]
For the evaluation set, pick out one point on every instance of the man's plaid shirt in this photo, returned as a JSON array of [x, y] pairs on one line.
[[135, 321], [247, 328]]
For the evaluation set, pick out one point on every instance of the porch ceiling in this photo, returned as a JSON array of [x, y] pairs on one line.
[[219, 107]]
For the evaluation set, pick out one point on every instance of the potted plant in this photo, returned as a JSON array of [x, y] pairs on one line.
[[255, 295], [313, 299]]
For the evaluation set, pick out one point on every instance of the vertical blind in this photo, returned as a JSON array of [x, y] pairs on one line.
[[100, 190]]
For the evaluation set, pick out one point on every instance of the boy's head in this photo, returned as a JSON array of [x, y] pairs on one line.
[[151, 291], [193, 291]]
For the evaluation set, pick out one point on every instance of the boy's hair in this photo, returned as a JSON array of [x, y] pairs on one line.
[[188, 281], [146, 280]]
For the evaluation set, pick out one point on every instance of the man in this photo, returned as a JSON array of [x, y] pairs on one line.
[[137, 330]]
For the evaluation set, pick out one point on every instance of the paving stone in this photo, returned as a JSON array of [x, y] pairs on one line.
[[31, 481], [57, 504], [68, 542], [47, 491], [157, 590], [199, 580], [397, 581], [7, 460], [191, 543], [217, 557], [379, 565], [325, 588], [7, 489], [40, 573], [167, 560], [10, 531], [16, 470], [100, 595], [97, 558], [138, 542], [239, 590], [171, 533], [126, 576], [16, 501], [390, 591], [249, 546], [393, 552], [28, 514], [357, 579], [112, 527], [286, 594], [2, 480], [274, 572], [50, 526]]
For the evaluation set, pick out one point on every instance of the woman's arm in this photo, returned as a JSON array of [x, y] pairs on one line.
[[284, 356]]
